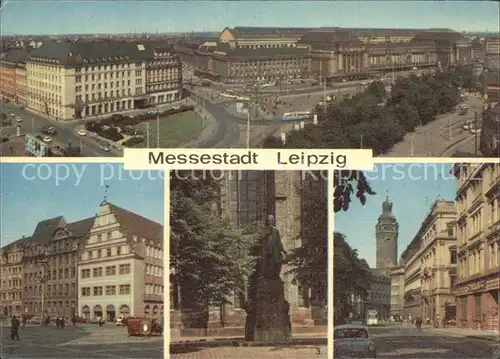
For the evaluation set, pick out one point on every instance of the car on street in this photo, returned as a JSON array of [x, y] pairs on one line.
[[47, 139], [94, 320], [49, 131], [104, 146], [121, 321], [19, 119], [36, 320], [82, 132], [353, 341]]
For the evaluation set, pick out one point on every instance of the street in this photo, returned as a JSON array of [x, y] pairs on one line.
[[402, 341], [66, 132], [82, 341]]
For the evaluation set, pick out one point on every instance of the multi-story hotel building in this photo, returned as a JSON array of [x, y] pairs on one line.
[[120, 270], [247, 197], [431, 270], [72, 80], [11, 288], [13, 75], [478, 282]]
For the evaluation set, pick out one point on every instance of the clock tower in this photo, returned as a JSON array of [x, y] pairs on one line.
[[386, 233]]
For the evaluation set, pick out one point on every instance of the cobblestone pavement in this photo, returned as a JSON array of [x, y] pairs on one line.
[[402, 342], [86, 341], [292, 352]]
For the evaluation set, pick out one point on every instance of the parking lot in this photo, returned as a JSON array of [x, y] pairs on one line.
[[81, 341]]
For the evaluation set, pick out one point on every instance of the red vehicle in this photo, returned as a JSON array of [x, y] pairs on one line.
[[144, 326]]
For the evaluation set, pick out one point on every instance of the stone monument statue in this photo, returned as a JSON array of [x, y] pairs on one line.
[[267, 310], [271, 258]]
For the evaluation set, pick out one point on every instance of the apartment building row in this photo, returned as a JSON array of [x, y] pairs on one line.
[[68, 80], [450, 270], [104, 266]]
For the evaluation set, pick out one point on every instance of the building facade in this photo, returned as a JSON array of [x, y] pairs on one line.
[[73, 80], [478, 282], [120, 270], [379, 293], [397, 275], [13, 75], [12, 268], [431, 271], [332, 53]]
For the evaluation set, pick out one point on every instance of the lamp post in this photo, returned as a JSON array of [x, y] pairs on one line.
[[43, 262]]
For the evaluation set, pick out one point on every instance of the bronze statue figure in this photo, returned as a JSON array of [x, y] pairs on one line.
[[272, 251]]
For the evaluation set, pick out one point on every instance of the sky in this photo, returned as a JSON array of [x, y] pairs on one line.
[[35, 192], [412, 188], [31, 17]]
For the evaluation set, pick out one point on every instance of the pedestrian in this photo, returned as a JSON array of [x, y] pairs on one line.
[[14, 329]]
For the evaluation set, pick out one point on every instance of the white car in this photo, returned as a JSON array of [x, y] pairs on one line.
[[104, 147], [353, 341], [82, 132], [119, 320], [47, 139], [36, 320], [19, 119]]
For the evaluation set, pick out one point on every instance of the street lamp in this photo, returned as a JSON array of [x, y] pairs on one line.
[[43, 262]]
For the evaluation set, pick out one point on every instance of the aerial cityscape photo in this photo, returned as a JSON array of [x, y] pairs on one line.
[[417, 267], [81, 262], [248, 264], [179, 74]]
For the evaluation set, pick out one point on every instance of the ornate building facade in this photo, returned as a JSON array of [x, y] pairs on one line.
[[478, 283]]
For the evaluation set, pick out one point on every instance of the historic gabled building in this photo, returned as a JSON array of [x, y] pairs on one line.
[[478, 242], [120, 269], [50, 264]]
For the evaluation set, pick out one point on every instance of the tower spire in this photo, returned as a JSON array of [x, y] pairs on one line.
[[106, 187]]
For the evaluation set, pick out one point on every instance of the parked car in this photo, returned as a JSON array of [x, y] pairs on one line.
[[82, 132], [47, 139], [36, 320], [353, 341], [51, 131], [19, 119], [94, 320], [104, 146], [121, 320]]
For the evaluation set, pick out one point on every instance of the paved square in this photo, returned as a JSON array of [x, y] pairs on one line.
[[83, 341], [227, 352]]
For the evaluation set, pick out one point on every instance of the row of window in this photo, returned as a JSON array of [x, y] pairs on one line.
[[108, 271], [113, 75], [123, 289], [476, 263], [113, 67]]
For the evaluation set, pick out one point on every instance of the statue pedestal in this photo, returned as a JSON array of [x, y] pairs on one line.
[[272, 312]]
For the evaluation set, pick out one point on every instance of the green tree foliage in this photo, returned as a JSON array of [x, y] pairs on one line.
[[209, 257], [351, 276], [310, 260], [344, 182], [376, 119]]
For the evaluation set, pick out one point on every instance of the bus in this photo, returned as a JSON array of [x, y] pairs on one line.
[[229, 94], [296, 116], [371, 317]]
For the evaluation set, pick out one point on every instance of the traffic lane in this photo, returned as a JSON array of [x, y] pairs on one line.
[[403, 342], [66, 135]]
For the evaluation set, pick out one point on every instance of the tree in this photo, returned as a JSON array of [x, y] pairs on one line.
[[351, 276], [375, 119], [210, 258], [343, 188], [310, 260]]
